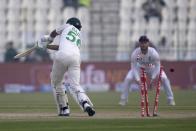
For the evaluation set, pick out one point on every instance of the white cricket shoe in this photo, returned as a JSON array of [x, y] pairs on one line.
[[123, 102], [171, 102], [64, 111]]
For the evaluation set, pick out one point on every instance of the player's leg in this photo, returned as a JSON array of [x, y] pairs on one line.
[[125, 91], [57, 77], [75, 89], [167, 87]]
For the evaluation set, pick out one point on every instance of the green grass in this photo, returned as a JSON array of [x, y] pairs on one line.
[[20, 112], [101, 125]]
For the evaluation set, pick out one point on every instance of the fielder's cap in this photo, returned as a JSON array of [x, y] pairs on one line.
[[143, 39]]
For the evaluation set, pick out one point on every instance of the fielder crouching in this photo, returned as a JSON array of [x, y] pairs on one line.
[[146, 56], [67, 59]]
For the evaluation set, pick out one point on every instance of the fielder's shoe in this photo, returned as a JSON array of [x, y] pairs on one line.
[[123, 102], [64, 111], [171, 102], [89, 109]]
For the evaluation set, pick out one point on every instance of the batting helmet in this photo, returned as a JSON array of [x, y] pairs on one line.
[[75, 22]]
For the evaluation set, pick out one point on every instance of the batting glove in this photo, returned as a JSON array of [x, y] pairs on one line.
[[44, 41], [47, 39]]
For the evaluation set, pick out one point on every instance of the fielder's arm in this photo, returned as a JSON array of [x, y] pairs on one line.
[[157, 63]]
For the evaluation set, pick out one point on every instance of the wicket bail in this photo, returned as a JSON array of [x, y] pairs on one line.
[[144, 94]]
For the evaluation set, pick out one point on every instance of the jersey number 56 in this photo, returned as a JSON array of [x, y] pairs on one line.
[[71, 36]]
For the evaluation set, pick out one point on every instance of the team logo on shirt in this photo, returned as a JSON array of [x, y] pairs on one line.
[[138, 58]]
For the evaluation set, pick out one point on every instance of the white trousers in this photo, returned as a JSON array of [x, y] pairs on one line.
[[129, 80], [69, 63]]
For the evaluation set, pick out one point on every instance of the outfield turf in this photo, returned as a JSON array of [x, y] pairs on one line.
[[37, 112]]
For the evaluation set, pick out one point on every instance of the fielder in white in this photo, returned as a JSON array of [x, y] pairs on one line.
[[147, 57], [67, 59]]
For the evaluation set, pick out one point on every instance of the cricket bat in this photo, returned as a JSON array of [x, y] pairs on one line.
[[27, 52]]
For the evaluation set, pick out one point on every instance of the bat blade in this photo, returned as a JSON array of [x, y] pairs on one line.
[[25, 53]]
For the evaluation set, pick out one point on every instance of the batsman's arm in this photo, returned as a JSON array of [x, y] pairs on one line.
[[47, 39], [56, 32], [53, 34], [52, 47]]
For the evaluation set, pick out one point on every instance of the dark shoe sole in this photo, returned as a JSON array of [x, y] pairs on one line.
[[63, 115], [90, 111]]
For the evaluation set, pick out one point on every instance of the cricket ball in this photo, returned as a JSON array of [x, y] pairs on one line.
[[171, 70]]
